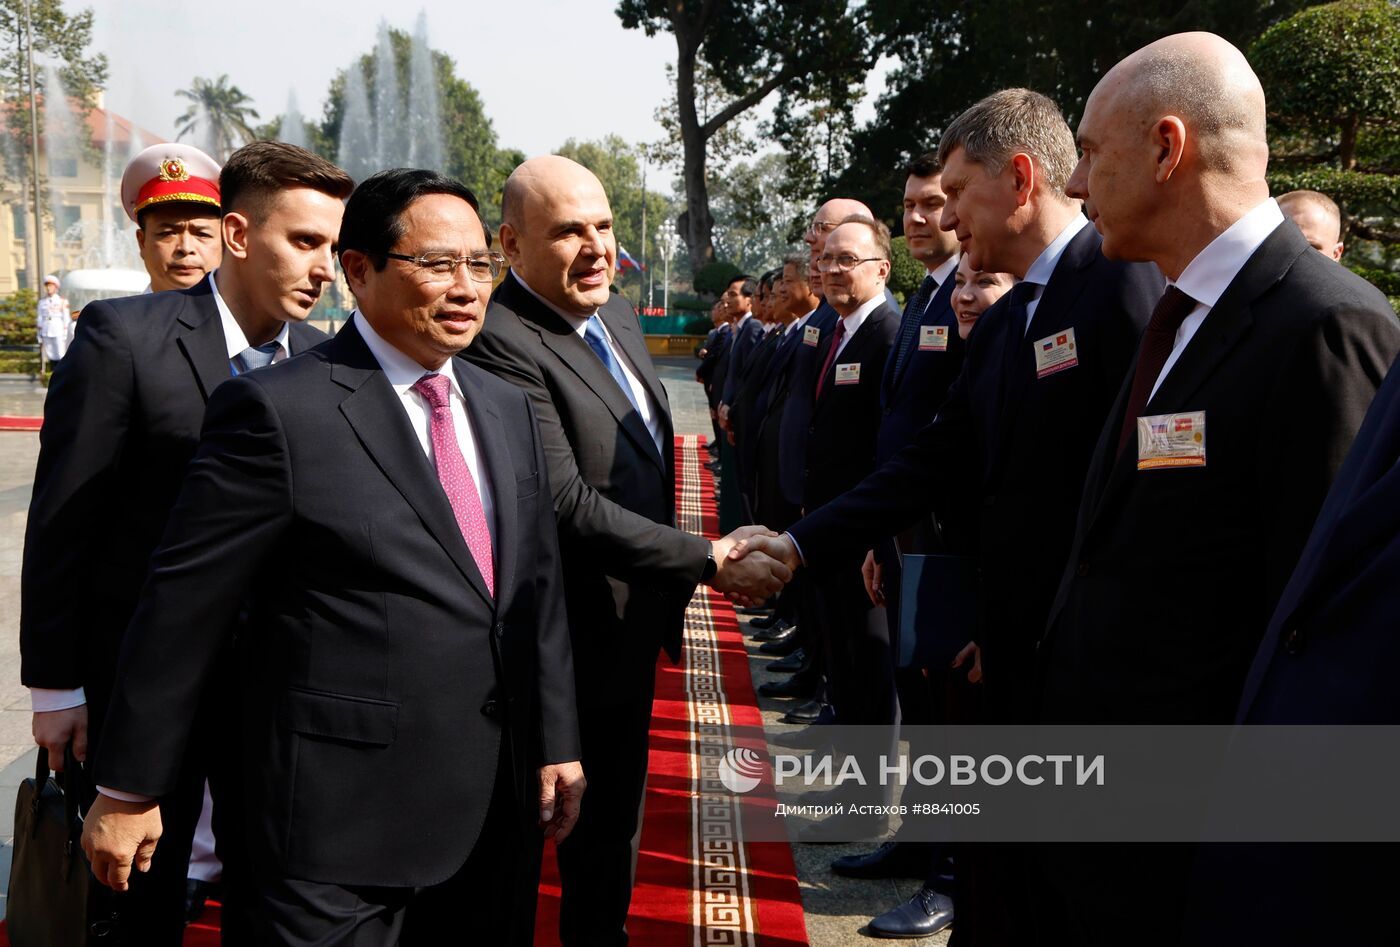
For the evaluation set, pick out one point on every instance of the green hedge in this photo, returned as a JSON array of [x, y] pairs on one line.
[[1354, 190]]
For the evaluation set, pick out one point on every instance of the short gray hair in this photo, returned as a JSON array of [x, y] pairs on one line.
[[1009, 122]]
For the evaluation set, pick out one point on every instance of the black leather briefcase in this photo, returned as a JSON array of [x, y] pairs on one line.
[[53, 898]]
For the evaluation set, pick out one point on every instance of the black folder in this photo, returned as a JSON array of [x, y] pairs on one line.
[[937, 609]]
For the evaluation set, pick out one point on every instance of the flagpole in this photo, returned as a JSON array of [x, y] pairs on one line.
[[651, 292]]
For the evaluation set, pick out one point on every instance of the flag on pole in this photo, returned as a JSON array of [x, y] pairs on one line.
[[626, 261]]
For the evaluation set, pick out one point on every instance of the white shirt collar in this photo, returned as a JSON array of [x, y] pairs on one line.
[[234, 340], [1044, 266], [573, 319], [401, 371], [946, 269], [854, 320], [1215, 268]]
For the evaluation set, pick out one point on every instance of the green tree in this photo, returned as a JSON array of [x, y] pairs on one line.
[[219, 113], [1332, 69], [468, 137], [751, 49], [59, 37], [756, 223], [1332, 74], [952, 54]]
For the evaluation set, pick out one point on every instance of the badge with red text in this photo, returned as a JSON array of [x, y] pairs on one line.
[[848, 373], [1055, 353], [933, 338], [811, 335], [1172, 440]]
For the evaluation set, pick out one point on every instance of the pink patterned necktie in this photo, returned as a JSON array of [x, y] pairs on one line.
[[456, 476]]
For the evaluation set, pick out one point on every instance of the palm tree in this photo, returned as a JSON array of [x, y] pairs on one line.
[[224, 113]]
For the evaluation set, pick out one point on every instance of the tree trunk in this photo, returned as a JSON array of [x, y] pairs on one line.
[[1350, 124], [697, 221]]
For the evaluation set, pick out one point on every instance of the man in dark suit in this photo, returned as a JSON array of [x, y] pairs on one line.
[[1258, 342], [121, 422], [923, 363], [987, 449], [1328, 657], [555, 330], [744, 419], [380, 511], [840, 450]]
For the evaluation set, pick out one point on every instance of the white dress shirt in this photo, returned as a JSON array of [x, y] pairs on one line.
[[403, 373], [942, 273], [1043, 268], [651, 412], [1206, 278], [44, 699], [856, 319], [234, 339]]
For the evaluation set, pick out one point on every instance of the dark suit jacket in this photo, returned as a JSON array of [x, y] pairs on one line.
[[744, 420], [841, 433], [910, 398], [379, 676], [746, 339], [1011, 446], [1174, 572], [716, 344], [796, 397], [1328, 657], [629, 573], [121, 422]]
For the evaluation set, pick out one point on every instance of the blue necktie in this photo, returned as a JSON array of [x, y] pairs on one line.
[[913, 316], [597, 340], [255, 357]]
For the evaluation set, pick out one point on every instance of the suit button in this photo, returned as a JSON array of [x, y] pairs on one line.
[[1293, 642], [489, 708], [989, 500], [1082, 569], [500, 629], [811, 430]]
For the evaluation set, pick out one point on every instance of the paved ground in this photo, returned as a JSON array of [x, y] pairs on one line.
[[836, 908]]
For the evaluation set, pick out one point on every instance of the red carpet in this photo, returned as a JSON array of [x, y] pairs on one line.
[[10, 422], [698, 881]]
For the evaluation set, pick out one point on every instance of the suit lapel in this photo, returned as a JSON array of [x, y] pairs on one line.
[[375, 413], [570, 348], [201, 339], [622, 325], [494, 451], [1227, 323]]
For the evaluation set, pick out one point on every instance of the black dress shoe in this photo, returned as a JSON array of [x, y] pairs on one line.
[[805, 713], [923, 915], [712, 465], [790, 664], [891, 860], [783, 645], [799, 685], [763, 609], [776, 631], [764, 622], [198, 892]]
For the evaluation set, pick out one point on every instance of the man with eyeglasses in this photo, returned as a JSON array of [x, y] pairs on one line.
[[377, 510], [555, 330], [840, 450]]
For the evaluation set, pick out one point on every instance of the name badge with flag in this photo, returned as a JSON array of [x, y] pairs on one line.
[[1172, 440], [933, 338], [848, 373], [811, 335], [1055, 353]]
